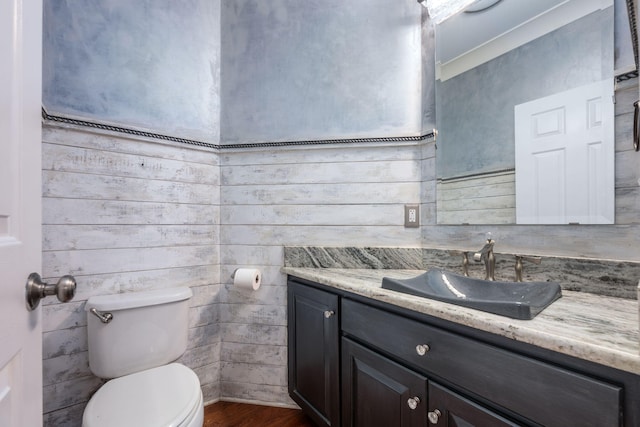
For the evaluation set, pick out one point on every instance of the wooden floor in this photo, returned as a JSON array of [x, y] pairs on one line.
[[228, 414]]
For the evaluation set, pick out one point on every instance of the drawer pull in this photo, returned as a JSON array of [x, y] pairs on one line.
[[422, 349], [434, 416], [328, 313], [413, 402]]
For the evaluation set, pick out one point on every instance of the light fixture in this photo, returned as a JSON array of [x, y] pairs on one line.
[[481, 5], [439, 10]]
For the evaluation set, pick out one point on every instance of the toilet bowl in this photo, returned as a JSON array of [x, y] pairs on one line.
[[134, 340], [165, 396]]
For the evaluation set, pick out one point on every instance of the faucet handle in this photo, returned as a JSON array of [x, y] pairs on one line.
[[533, 259], [465, 259], [519, 268]]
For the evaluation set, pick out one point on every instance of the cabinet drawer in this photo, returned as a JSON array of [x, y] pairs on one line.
[[544, 393]]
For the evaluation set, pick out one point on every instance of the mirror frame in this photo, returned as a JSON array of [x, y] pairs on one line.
[[630, 4]]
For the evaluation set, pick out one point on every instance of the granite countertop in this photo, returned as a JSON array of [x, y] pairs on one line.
[[591, 327]]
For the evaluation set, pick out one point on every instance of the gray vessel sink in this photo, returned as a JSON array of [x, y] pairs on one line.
[[518, 300]]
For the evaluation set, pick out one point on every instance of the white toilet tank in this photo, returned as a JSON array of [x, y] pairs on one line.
[[148, 329]]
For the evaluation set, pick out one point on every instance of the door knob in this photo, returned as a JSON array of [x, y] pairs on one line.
[[36, 289]]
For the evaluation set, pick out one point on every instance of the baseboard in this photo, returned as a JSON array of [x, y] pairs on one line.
[[254, 402]]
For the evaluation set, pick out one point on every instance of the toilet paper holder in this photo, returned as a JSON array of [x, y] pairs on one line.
[[249, 278]]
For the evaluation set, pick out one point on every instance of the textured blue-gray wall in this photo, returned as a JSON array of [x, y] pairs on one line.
[[475, 108], [428, 74], [301, 70], [624, 59], [152, 64]]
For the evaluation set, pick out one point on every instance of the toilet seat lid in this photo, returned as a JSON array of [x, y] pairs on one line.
[[162, 396]]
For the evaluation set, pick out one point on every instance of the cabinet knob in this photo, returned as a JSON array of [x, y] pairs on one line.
[[413, 402], [422, 349], [328, 313], [434, 416]]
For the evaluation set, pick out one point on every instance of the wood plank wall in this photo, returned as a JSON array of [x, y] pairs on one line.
[[331, 196], [627, 163], [124, 215], [474, 199]]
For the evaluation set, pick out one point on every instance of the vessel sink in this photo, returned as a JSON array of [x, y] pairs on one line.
[[518, 300]]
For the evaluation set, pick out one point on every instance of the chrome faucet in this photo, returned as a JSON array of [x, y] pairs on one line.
[[486, 255]]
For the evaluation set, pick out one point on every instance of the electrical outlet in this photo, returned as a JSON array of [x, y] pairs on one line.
[[412, 216]]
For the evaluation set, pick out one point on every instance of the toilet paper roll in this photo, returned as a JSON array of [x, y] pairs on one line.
[[247, 278]]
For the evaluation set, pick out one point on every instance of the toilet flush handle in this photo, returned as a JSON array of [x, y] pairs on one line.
[[104, 317]]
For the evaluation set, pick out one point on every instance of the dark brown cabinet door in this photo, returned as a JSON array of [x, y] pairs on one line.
[[314, 339], [448, 409], [379, 392]]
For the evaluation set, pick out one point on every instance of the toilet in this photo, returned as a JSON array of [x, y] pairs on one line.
[[134, 340]]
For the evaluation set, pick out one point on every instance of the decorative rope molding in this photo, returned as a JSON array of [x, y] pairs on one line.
[[85, 123], [118, 129], [627, 76], [428, 136], [477, 175]]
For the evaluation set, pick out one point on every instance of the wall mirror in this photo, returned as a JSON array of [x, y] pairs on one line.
[[525, 113]]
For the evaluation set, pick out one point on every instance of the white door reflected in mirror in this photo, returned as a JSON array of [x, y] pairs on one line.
[[565, 157]]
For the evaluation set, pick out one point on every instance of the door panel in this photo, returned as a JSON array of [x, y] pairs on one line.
[[20, 211], [313, 335], [379, 392], [565, 157], [449, 409]]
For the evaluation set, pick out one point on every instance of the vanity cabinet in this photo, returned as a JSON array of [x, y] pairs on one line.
[[376, 391], [529, 388], [313, 352], [402, 369]]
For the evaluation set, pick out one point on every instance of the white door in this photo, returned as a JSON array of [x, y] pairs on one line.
[[565, 157], [20, 211]]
